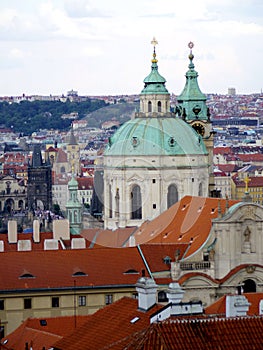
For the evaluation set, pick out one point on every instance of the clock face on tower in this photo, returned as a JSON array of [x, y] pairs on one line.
[[199, 128]]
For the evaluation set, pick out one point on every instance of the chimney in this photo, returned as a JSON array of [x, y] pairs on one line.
[[175, 293], [61, 229], [12, 231], [146, 288], [36, 235], [236, 305]]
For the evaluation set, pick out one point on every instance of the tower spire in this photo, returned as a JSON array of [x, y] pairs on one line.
[[192, 101]]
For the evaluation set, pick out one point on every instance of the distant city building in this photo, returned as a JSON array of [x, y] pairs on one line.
[[231, 91], [39, 185]]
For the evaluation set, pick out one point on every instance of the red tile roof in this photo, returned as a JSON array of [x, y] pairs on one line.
[[85, 183], [254, 181], [108, 327], [155, 253], [108, 238], [204, 334], [42, 332], [105, 266], [188, 221]]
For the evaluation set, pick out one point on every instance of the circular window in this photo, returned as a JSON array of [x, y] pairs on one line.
[[135, 141], [171, 141]]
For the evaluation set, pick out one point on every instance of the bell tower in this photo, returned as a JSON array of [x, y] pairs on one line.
[[193, 110]]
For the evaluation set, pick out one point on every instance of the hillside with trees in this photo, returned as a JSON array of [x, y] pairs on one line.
[[26, 117]]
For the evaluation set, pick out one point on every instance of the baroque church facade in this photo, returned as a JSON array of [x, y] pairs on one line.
[[158, 157]]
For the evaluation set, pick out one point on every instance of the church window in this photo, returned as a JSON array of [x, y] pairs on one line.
[[249, 286], [154, 206], [172, 196], [110, 202], [159, 106], [200, 190], [149, 106], [154, 181], [136, 203], [193, 180]]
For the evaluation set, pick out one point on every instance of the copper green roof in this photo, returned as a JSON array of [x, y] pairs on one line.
[[191, 90], [154, 83], [155, 136]]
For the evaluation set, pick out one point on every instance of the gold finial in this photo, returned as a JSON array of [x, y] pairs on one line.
[[246, 180], [154, 42]]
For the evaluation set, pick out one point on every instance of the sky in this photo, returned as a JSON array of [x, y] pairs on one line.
[[103, 47]]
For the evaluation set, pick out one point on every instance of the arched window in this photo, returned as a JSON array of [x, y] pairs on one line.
[[110, 202], [172, 196], [249, 286], [149, 106], [159, 106], [200, 190], [62, 170], [136, 203]]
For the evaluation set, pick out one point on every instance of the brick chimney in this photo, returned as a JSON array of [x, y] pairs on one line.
[[147, 289]]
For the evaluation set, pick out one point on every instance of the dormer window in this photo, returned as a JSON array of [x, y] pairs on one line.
[[79, 273], [27, 275]]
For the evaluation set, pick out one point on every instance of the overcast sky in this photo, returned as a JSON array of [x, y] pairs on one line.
[[104, 46]]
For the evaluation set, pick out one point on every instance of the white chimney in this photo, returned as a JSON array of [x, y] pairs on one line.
[[175, 293], [36, 235], [132, 241], [146, 288], [236, 305], [12, 231], [61, 229]]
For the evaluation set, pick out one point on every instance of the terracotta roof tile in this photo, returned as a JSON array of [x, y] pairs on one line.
[[108, 238], [155, 253], [105, 266], [219, 306], [108, 326], [188, 221], [206, 334], [42, 332]]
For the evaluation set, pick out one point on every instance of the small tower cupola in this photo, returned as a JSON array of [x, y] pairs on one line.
[[154, 98]]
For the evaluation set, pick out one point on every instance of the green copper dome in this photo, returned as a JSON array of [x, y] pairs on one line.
[[155, 136]]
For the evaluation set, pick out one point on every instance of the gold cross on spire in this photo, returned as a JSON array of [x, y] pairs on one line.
[[246, 180], [154, 42]]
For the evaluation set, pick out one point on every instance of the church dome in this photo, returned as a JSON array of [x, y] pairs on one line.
[[155, 136]]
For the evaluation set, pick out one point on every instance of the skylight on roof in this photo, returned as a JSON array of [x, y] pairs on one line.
[[134, 320], [43, 322]]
